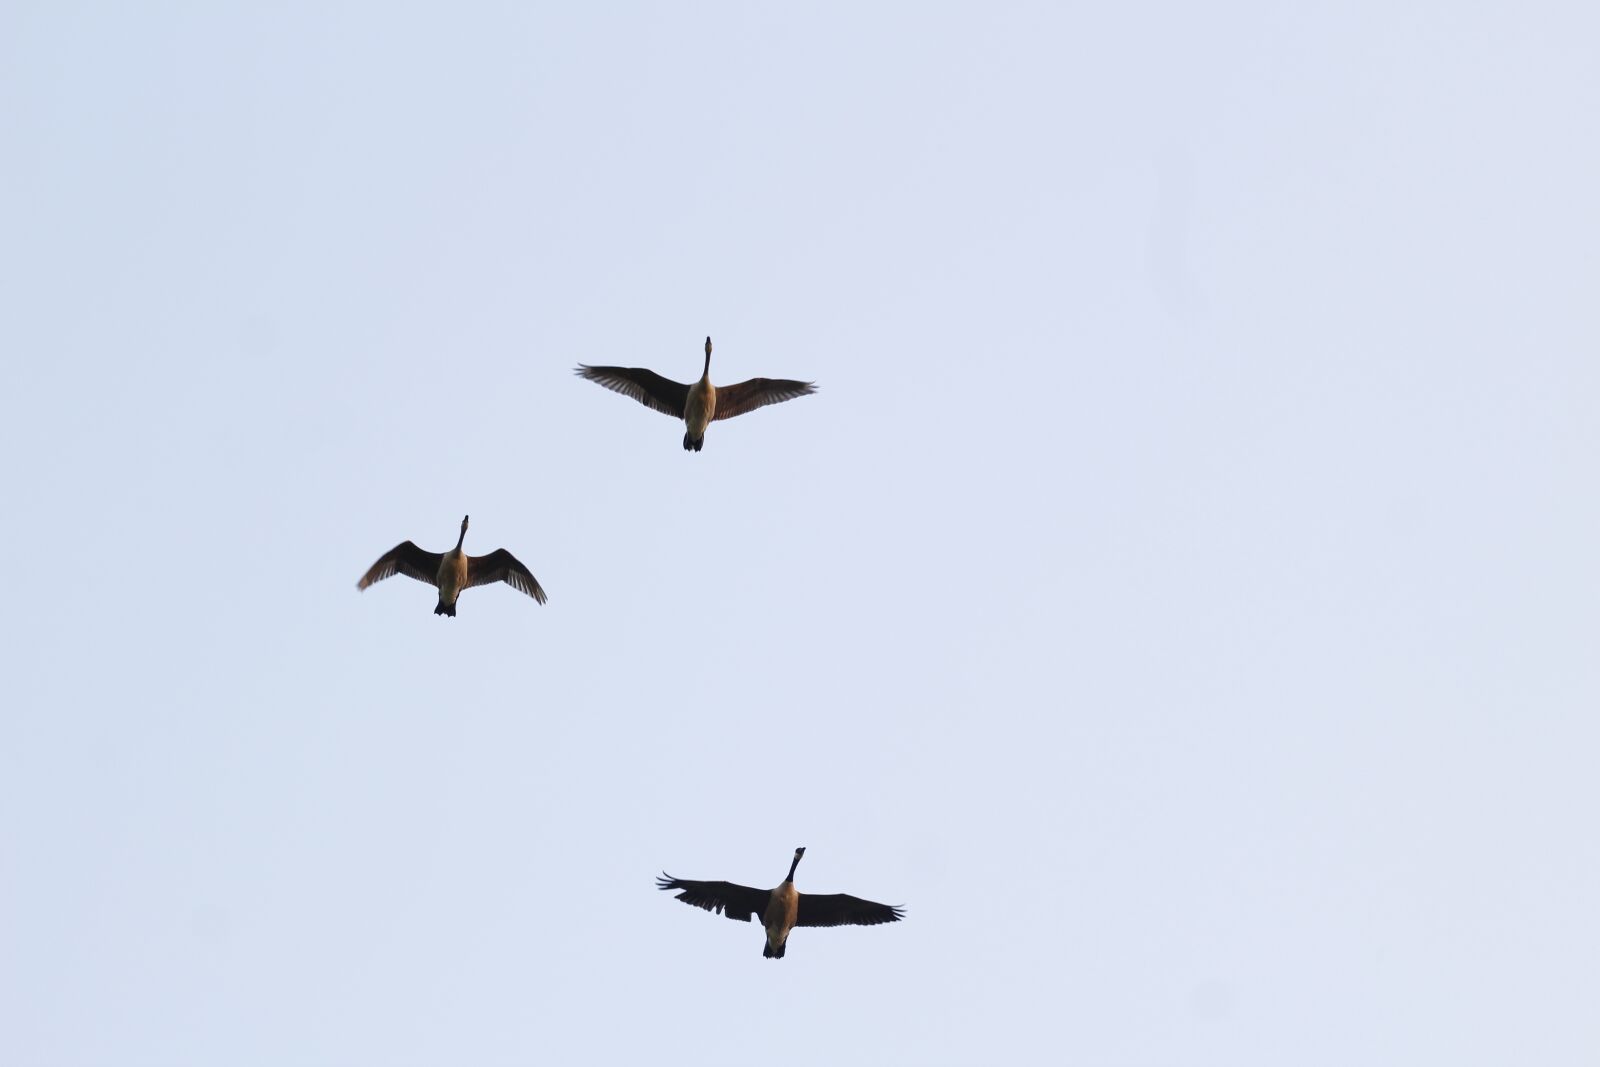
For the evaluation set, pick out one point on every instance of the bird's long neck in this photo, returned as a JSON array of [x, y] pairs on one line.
[[462, 539], [792, 866], [705, 375]]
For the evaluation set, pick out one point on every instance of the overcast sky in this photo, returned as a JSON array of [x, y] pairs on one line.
[[1180, 593]]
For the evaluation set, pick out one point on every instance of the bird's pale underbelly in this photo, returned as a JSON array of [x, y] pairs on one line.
[[701, 406], [781, 912], [452, 576]]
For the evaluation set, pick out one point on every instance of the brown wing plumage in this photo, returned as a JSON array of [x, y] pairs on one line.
[[735, 901], [645, 386], [842, 909], [757, 393], [502, 566], [407, 559]]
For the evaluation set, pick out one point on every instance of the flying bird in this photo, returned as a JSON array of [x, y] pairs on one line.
[[783, 908], [453, 571], [700, 404]]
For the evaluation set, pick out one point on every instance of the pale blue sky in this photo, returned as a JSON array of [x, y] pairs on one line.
[[1181, 594]]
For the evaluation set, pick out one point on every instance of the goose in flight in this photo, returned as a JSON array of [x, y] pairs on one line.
[[783, 908], [453, 571], [699, 404]]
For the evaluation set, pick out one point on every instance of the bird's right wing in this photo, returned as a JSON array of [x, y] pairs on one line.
[[407, 559], [645, 386], [735, 901]]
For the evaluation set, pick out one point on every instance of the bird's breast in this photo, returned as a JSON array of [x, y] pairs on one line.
[[782, 910], [701, 406], [452, 575]]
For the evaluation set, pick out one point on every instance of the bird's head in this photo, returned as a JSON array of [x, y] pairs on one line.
[[797, 854]]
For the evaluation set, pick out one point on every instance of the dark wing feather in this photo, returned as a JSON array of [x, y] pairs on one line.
[[502, 566], [735, 901], [645, 386], [758, 393], [842, 909], [407, 559]]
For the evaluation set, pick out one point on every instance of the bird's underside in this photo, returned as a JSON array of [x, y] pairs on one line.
[[816, 909], [697, 404], [414, 562]]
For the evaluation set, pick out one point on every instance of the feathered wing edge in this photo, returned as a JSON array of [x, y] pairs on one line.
[[737, 399], [645, 386], [502, 566], [842, 909], [739, 902], [407, 559]]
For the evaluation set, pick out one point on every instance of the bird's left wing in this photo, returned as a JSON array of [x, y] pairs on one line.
[[842, 909], [758, 393], [502, 566]]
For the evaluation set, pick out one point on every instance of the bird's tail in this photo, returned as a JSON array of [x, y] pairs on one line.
[[445, 609], [770, 953], [691, 443]]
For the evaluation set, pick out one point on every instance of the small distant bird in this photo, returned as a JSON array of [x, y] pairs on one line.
[[453, 571], [699, 404], [783, 908]]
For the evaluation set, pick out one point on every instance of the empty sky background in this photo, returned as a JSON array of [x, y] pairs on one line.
[[1181, 593]]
